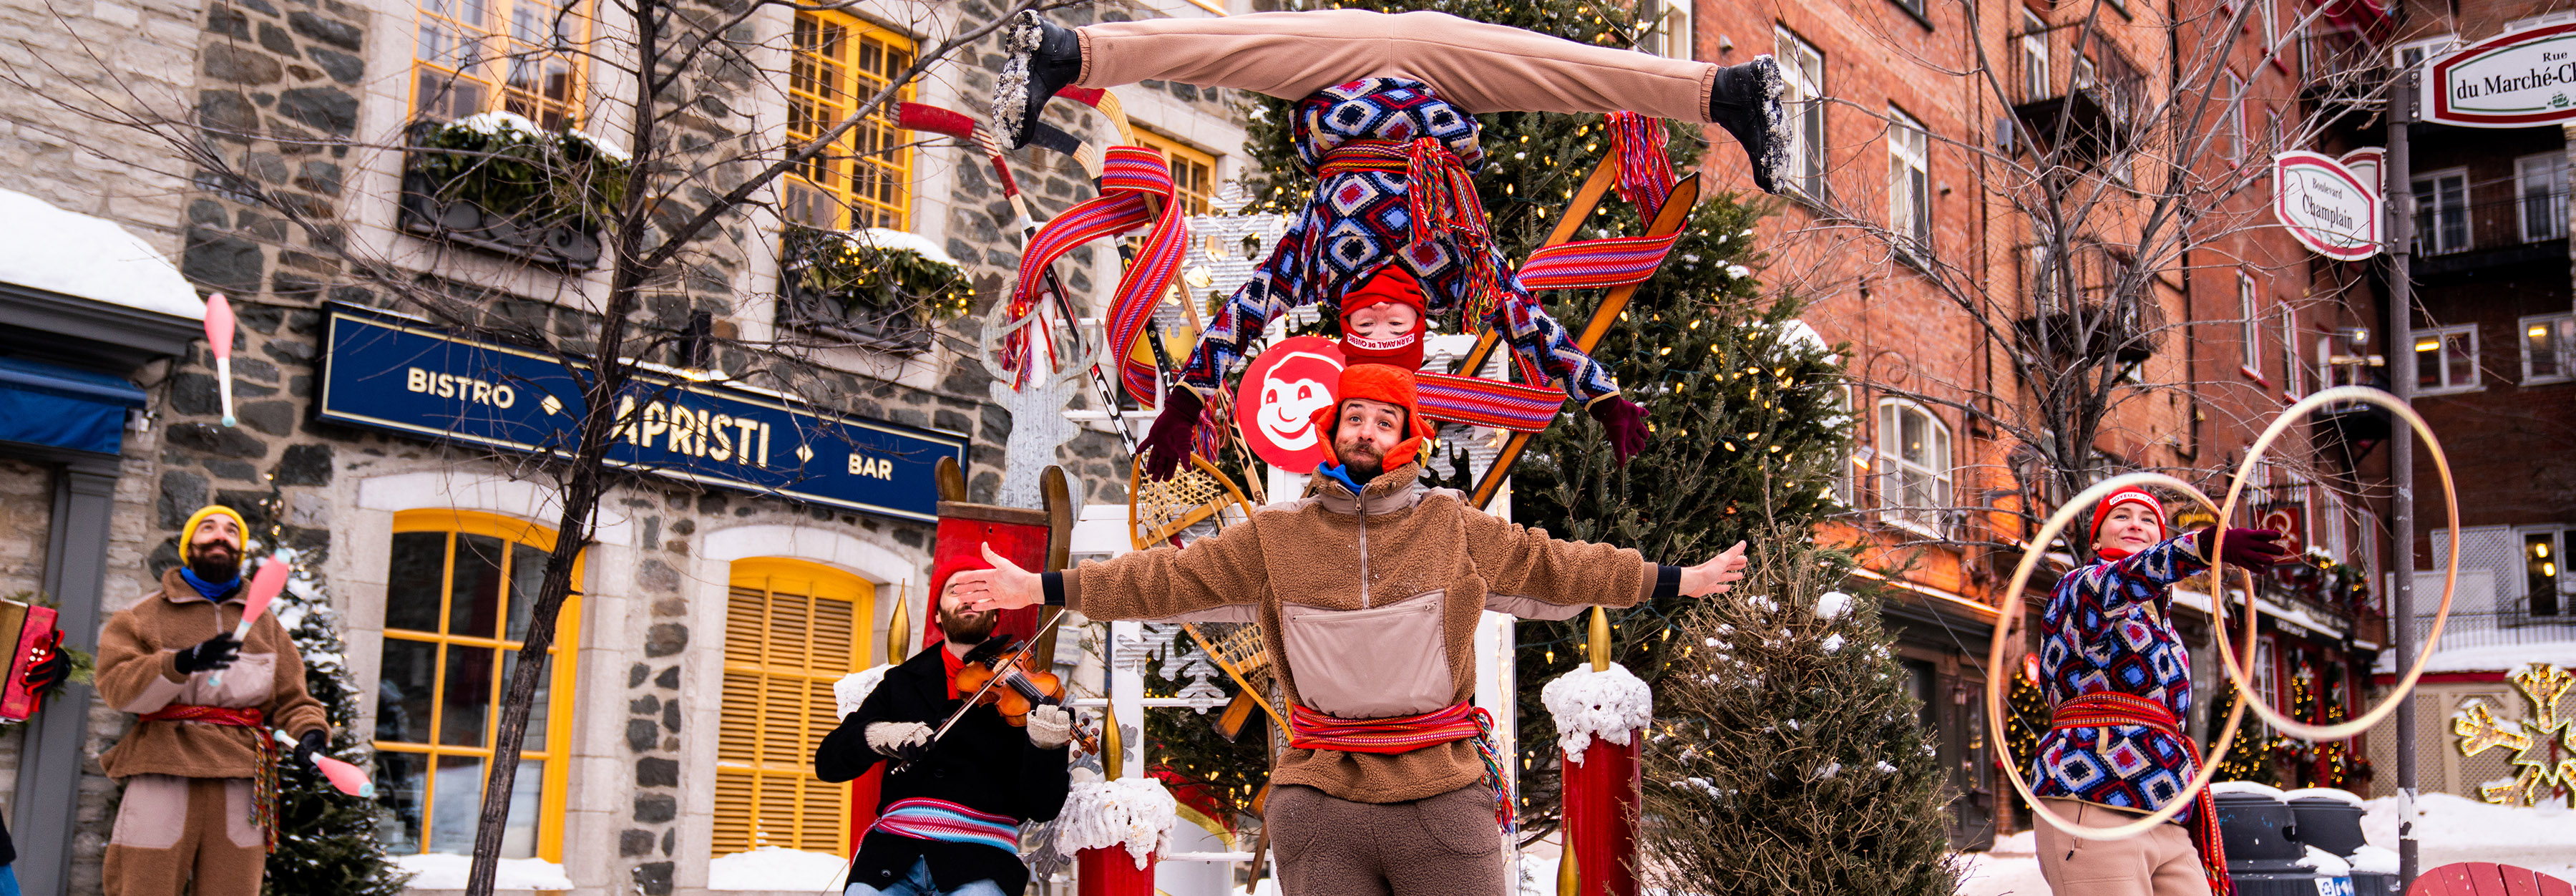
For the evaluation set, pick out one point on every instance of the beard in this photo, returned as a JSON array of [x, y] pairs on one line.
[[214, 561], [1363, 461], [968, 627]]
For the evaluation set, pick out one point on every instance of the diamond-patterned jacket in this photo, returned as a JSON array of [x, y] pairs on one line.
[[2108, 627], [1358, 222]]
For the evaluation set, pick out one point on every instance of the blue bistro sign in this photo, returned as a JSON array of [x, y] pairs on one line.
[[396, 373]]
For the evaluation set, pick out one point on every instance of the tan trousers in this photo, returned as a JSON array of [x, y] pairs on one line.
[[1447, 845], [2160, 862], [1479, 67], [172, 831]]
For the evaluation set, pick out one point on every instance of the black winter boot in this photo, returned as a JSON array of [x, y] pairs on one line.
[[1045, 57], [1746, 101]]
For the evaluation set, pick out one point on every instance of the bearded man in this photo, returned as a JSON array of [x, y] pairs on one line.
[[1367, 590], [200, 766], [948, 814]]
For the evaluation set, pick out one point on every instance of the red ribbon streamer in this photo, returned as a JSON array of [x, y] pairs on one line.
[[1131, 179]]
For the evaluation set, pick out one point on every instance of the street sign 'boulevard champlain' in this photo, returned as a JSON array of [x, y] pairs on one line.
[[2331, 205], [397, 373], [2513, 80]]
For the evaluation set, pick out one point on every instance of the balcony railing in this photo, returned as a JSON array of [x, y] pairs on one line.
[[2083, 100]]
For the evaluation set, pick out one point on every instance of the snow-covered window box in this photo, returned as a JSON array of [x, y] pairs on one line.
[[499, 183], [874, 286]]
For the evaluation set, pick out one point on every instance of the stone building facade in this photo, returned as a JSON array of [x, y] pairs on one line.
[[642, 780]]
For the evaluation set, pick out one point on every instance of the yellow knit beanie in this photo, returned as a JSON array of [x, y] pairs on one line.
[[188, 532]]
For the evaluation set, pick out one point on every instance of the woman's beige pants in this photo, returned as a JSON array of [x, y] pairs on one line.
[[1477, 66], [2160, 862]]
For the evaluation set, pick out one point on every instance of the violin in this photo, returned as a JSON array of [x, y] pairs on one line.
[[1022, 688]]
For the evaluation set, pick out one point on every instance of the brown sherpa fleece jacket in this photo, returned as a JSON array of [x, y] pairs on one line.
[[138, 673], [1379, 609]]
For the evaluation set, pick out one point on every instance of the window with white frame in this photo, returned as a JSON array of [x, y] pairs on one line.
[[2034, 56], [2548, 349], [2417, 52], [1909, 183], [2294, 382], [1669, 33], [2267, 11], [1845, 492], [1913, 465], [2442, 211], [2540, 188], [1802, 97], [2446, 359], [2231, 121], [2249, 332]]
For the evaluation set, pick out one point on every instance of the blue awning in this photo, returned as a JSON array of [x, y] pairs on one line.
[[64, 407]]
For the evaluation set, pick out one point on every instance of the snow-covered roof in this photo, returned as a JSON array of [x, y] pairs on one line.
[[50, 248], [2488, 657]]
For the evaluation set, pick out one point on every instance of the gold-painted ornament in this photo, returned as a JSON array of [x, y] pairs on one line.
[[2544, 748]]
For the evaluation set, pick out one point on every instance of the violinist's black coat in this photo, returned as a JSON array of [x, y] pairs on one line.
[[985, 763]]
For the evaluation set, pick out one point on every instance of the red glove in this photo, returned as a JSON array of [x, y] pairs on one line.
[[1169, 439], [1626, 423], [2257, 550]]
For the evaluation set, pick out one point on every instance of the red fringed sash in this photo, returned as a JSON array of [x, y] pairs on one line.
[[1645, 171], [1130, 176], [1312, 730], [264, 792], [2106, 709]]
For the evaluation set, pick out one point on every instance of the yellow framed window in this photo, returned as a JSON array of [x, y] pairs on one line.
[[458, 590], [1193, 172], [791, 629], [521, 56], [865, 178]]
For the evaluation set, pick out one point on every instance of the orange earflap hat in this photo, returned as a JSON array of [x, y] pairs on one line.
[[1378, 382]]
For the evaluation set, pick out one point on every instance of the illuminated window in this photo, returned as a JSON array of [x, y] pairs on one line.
[[865, 178], [520, 56], [458, 589], [791, 630], [2548, 349], [1193, 172], [2545, 583], [2446, 359]]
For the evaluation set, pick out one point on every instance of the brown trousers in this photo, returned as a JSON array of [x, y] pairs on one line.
[[1478, 66], [172, 831], [2160, 862], [1447, 845]]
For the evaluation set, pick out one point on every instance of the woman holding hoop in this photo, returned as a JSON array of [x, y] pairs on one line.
[[2119, 682]]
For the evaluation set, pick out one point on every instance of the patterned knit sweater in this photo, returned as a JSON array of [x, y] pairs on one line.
[[1358, 222], [2108, 627]]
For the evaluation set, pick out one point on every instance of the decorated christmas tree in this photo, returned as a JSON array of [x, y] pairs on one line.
[[2250, 759]]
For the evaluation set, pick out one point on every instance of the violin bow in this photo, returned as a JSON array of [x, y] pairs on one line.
[[1025, 647]]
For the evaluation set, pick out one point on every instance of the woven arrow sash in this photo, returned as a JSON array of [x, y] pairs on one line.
[[2106, 709], [1129, 177], [1616, 261], [1476, 401]]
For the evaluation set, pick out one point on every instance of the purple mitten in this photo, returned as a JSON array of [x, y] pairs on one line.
[[1625, 422], [2257, 550], [1169, 439]]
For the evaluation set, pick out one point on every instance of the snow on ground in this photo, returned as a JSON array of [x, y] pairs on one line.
[[778, 869], [446, 871], [2449, 829]]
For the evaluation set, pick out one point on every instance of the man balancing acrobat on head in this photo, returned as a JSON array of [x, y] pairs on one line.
[[1385, 120], [1368, 590]]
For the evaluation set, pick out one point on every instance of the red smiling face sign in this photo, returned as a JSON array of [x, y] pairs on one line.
[[1281, 391]]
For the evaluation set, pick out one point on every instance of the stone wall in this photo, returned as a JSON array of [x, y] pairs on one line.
[[60, 50]]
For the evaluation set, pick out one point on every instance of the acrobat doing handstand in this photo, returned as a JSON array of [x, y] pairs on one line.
[[1386, 121]]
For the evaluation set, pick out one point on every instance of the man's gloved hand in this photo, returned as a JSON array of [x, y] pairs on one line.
[[2256, 550], [51, 670], [211, 654], [1049, 727], [1168, 440], [900, 740], [1625, 422], [312, 742]]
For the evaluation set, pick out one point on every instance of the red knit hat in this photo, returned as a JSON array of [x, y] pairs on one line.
[[1377, 382], [1392, 285], [2131, 495]]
